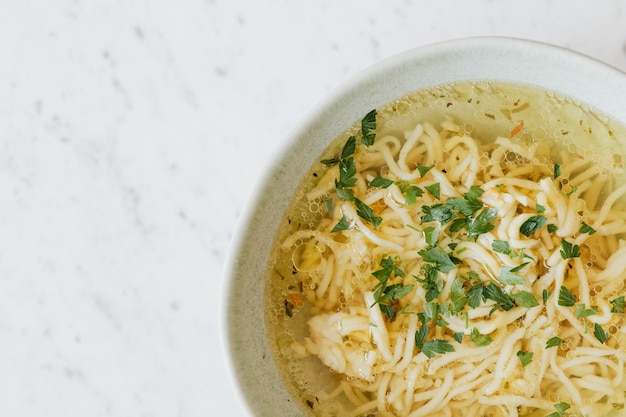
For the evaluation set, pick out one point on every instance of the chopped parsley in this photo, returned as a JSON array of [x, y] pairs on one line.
[[501, 246], [569, 250], [423, 169], [381, 182], [480, 339], [438, 212], [566, 298], [481, 223], [531, 225], [618, 305], [368, 128], [434, 190], [508, 275], [348, 150], [435, 346], [525, 299], [366, 213], [385, 293], [600, 333], [581, 312], [439, 258], [585, 228], [342, 225], [502, 299], [560, 409], [554, 341], [557, 170], [524, 357]]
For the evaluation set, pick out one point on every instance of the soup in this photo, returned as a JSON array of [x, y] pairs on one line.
[[458, 252]]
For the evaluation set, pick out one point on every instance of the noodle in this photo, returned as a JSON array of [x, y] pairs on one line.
[[431, 352]]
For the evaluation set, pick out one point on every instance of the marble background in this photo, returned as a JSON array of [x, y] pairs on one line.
[[131, 134]]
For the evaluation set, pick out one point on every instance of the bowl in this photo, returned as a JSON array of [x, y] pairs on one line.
[[255, 374]]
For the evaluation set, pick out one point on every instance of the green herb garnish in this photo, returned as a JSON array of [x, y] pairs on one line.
[[423, 169], [618, 305], [368, 128], [366, 213], [566, 298], [569, 250], [531, 225], [480, 339], [434, 190], [560, 409], [381, 182], [585, 228], [581, 312], [557, 170], [600, 333], [342, 225], [525, 299], [554, 341], [524, 357]]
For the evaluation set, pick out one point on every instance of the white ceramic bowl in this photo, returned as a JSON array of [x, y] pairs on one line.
[[502, 59]]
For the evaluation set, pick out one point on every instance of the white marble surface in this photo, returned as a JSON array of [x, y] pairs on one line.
[[131, 134]]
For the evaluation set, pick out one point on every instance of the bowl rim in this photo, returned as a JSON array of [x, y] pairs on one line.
[[585, 82]]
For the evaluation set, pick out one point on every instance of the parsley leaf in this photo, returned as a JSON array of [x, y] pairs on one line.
[[459, 224], [545, 294], [585, 228], [433, 347], [368, 128], [438, 212], [458, 337], [566, 298], [420, 336], [524, 357], [381, 182], [618, 305], [552, 228], [431, 282], [349, 147], [344, 194], [600, 333], [481, 223], [423, 169], [480, 339], [395, 292], [347, 171], [457, 296], [581, 312], [366, 213], [568, 250], [434, 190], [531, 225], [557, 170], [560, 409], [525, 299], [476, 295], [438, 257], [464, 206], [495, 293], [554, 341], [412, 193], [509, 277], [539, 208], [501, 246], [431, 236], [342, 225]]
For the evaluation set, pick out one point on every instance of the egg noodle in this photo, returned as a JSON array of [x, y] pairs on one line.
[[486, 279]]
